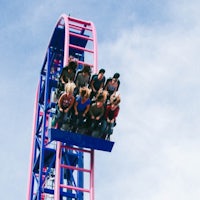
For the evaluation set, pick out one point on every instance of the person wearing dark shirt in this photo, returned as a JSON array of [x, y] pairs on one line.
[[96, 113], [82, 78], [97, 82], [67, 75], [112, 84]]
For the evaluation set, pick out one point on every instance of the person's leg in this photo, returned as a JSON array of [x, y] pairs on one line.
[[103, 129], [110, 130]]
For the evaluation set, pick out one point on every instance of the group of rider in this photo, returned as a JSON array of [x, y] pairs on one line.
[[87, 104]]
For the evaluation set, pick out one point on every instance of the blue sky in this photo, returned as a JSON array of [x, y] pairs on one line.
[[154, 45]]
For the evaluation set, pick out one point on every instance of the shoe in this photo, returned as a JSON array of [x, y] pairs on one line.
[[108, 138]]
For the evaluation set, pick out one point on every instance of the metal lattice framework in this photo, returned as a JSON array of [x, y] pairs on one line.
[[57, 170]]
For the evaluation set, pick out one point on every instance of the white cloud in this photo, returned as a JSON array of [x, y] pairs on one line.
[[156, 151]]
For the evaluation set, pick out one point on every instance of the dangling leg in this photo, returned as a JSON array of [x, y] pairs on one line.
[[59, 119], [103, 129], [110, 130]]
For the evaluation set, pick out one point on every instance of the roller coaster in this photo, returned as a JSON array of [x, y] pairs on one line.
[[61, 161]]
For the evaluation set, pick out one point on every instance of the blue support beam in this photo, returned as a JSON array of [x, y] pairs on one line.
[[80, 140]]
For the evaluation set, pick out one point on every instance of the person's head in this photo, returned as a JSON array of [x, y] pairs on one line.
[[70, 69], [102, 93], [115, 99], [86, 69], [116, 75], [69, 87], [101, 73], [72, 65], [100, 100], [85, 92]]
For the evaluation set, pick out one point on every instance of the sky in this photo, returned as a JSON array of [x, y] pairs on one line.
[[154, 45]]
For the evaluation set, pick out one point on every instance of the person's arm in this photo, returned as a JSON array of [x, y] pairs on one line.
[[103, 83], [75, 108], [115, 90], [91, 112], [106, 113], [77, 80], [86, 110], [101, 86], [62, 75], [60, 100], [92, 85], [107, 83], [116, 112]]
